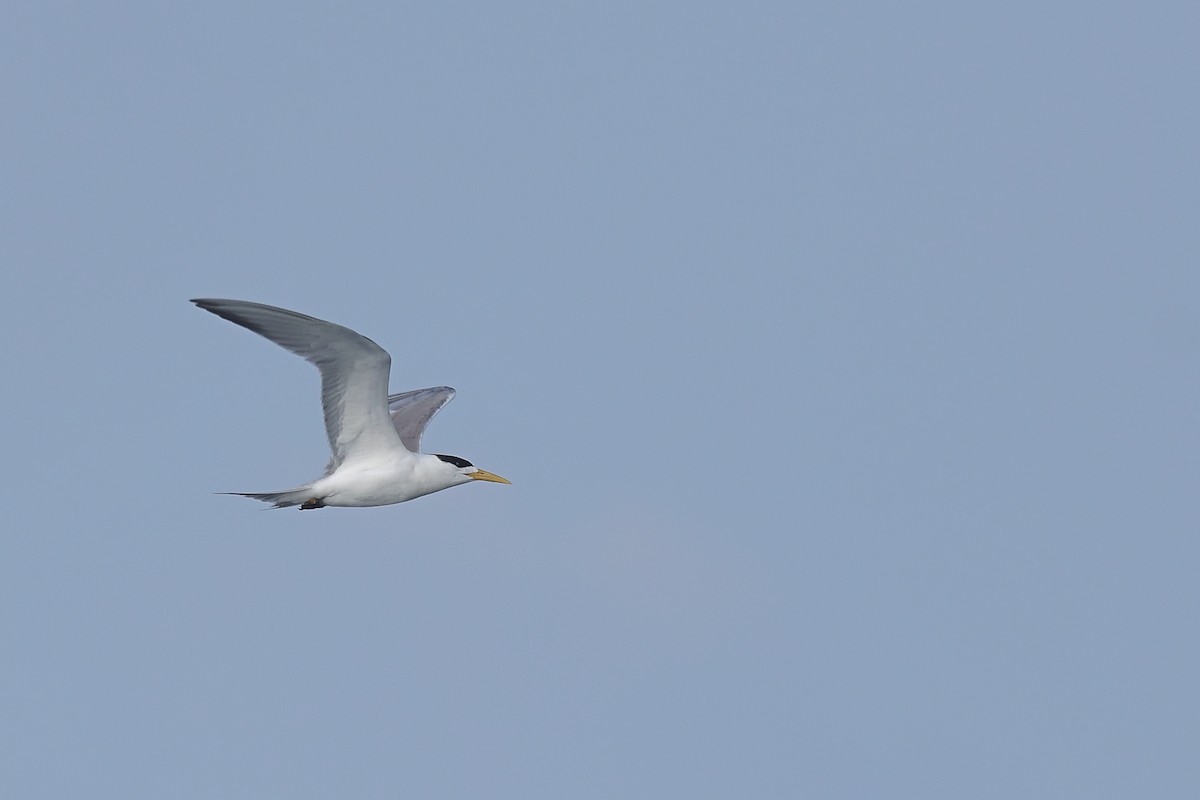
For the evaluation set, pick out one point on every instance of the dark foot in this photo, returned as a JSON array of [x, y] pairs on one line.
[[312, 502]]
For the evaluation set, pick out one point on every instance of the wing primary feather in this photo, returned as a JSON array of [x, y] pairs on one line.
[[411, 412], [354, 372]]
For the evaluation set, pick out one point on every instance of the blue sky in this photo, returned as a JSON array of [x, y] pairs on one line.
[[843, 360]]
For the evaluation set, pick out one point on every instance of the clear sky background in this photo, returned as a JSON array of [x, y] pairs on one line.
[[843, 359]]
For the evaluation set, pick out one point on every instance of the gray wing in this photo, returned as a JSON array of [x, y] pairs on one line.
[[411, 412], [354, 373]]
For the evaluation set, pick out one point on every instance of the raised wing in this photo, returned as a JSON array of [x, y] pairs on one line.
[[411, 412], [354, 373]]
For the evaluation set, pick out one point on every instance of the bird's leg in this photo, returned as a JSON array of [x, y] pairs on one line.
[[312, 502]]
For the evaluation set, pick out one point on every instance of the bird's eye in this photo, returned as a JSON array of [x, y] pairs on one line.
[[455, 460]]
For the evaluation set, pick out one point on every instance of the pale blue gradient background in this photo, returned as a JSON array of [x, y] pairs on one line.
[[844, 361]]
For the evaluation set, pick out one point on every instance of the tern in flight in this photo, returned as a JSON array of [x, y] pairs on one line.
[[375, 438]]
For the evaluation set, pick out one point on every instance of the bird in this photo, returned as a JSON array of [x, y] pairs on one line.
[[374, 437]]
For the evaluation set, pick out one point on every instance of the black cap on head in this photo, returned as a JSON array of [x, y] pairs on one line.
[[455, 460]]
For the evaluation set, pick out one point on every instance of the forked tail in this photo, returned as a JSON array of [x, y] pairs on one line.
[[293, 497]]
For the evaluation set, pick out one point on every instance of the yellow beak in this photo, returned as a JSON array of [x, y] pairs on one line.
[[484, 475]]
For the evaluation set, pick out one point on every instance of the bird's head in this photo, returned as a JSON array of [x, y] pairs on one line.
[[468, 471]]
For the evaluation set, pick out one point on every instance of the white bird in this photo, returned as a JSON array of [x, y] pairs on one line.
[[375, 438]]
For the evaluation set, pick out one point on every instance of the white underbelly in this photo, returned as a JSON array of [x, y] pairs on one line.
[[372, 485]]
